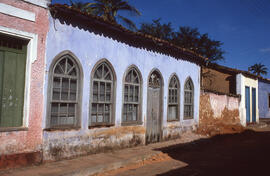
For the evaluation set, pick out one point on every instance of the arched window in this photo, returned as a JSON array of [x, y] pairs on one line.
[[189, 99], [102, 95], [173, 100], [64, 92], [132, 97]]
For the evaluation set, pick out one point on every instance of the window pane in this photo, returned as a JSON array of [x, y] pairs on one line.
[[54, 109], [59, 70], [102, 91], [69, 65], [108, 92], [135, 109], [126, 93], [136, 94], [71, 110], [108, 77], [63, 109], [65, 89], [100, 112], [73, 89], [128, 77], [56, 89], [95, 91], [125, 113], [131, 92]]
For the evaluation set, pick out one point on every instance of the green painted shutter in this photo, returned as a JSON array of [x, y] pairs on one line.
[[13, 83]]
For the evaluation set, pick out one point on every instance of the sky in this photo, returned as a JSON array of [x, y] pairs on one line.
[[243, 26]]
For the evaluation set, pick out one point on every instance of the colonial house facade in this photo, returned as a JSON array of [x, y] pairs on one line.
[[23, 32], [108, 87]]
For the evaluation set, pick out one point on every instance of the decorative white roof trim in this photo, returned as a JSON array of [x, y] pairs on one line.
[[16, 12], [41, 3]]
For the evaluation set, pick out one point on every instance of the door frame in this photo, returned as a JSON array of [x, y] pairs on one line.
[[161, 103], [31, 56]]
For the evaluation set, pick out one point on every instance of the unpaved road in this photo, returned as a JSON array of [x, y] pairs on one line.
[[247, 153]]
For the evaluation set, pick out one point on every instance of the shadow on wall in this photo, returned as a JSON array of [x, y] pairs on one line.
[[245, 153]]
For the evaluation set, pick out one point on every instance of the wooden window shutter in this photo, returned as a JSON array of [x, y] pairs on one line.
[[12, 83]]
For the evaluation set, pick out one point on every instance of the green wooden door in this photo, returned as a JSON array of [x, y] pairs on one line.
[[12, 83]]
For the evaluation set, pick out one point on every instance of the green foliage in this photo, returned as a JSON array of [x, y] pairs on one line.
[[185, 37], [109, 10], [258, 69], [84, 7]]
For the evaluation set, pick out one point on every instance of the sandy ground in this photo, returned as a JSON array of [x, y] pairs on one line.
[[230, 152]]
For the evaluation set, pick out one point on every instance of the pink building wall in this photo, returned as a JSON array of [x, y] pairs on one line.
[[23, 146]]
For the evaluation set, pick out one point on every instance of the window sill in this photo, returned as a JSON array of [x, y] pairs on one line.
[[188, 119], [100, 126], [8, 129], [131, 123], [176, 120], [66, 128]]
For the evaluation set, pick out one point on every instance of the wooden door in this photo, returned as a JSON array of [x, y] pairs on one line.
[[253, 105], [247, 102], [154, 107], [12, 78]]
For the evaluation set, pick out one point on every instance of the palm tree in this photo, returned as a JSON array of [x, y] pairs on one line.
[[84, 7], [258, 69], [108, 9]]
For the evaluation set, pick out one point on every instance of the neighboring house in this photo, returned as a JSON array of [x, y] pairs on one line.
[[217, 78], [229, 89], [23, 31], [264, 98], [218, 100], [108, 87]]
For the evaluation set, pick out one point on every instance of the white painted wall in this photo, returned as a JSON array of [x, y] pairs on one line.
[[242, 82]]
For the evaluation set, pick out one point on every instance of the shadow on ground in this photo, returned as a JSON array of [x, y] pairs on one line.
[[246, 153]]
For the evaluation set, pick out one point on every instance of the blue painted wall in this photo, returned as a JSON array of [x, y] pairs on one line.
[[89, 48], [264, 91]]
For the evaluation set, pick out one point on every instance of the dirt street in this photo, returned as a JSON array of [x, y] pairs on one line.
[[246, 153]]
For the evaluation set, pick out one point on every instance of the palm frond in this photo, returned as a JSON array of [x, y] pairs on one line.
[[128, 22]]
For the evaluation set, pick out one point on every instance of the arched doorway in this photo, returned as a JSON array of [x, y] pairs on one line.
[[154, 107]]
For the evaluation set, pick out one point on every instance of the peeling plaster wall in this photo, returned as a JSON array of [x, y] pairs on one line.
[[19, 147], [241, 83], [220, 102], [90, 48], [215, 108], [264, 92]]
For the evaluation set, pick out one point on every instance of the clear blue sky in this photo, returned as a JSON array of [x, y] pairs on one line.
[[242, 25]]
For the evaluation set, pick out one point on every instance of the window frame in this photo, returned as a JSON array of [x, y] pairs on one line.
[[178, 98], [192, 104], [79, 92], [113, 95], [139, 115]]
